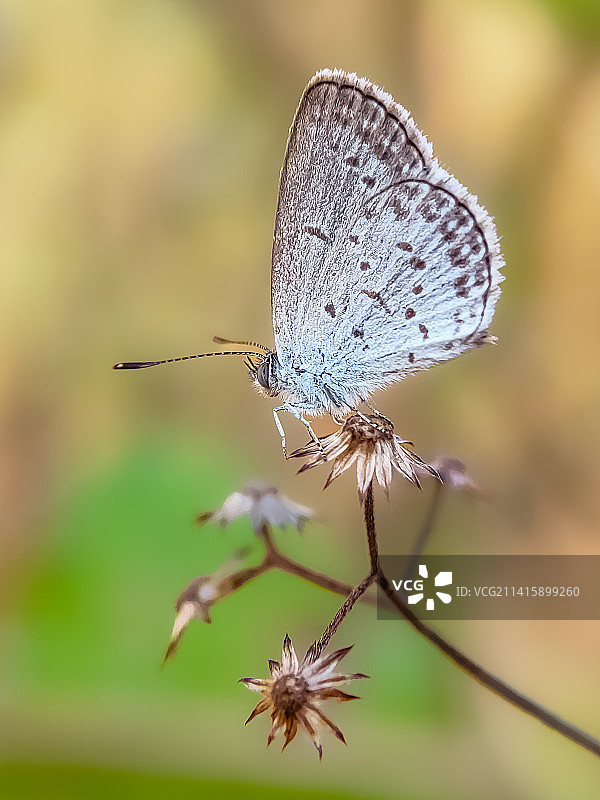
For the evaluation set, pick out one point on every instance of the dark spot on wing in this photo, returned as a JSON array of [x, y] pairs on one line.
[[417, 263], [376, 296], [352, 161], [397, 145], [460, 281], [368, 181], [463, 291], [448, 346], [358, 333], [366, 347], [456, 257], [317, 232], [427, 211], [400, 207], [424, 330], [409, 313], [405, 246], [364, 265], [330, 309], [417, 289], [440, 199], [411, 358], [353, 239]]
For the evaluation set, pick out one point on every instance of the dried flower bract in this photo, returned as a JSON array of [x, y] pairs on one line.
[[295, 691], [371, 442]]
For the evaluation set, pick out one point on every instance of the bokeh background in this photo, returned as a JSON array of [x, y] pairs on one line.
[[140, 147]]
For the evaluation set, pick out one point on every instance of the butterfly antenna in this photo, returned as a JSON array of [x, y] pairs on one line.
[[222, 340], [251, 365], [144, 364]]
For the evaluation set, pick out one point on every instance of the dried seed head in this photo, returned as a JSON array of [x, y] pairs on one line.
[[265, 505], [370, 441], [453, 473], [295, 691], [199, 595]]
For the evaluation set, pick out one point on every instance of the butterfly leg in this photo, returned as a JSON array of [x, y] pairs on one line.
[[379, 414], [298, 416], [280, 427]]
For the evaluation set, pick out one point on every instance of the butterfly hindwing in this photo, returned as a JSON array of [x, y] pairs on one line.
[[422, 283]]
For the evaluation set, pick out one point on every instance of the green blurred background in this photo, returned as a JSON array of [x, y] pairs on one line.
[[140, 147]]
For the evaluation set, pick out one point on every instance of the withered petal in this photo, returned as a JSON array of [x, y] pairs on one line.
[[334, 694], [204, 517], [289, 659], [321, 664], [256, 684], [340, 465], [312, 733], [278, 722], [291, 728], [340, 678], [332, 726], [259, 708]]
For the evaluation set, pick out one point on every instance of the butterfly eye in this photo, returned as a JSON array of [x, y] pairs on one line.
[[263, 374]]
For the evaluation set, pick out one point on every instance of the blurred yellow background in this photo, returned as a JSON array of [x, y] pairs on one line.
[[140, 147]]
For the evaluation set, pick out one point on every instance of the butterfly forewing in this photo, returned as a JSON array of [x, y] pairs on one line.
[[344, 145]]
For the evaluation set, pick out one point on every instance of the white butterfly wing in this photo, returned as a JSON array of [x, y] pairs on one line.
[[383, 263]]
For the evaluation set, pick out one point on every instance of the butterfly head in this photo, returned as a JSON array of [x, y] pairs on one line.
[[264, 373]]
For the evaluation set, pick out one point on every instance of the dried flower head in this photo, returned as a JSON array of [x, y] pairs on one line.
[[265, 505], [193, 603], [371, 442], [199, 595], [453, 473], [295, 691]]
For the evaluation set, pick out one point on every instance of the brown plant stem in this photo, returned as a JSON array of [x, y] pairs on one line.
[[426, 529], [370, 526], [471, 667], [275, 559], [331, 584], [317, 647], [231, 583]]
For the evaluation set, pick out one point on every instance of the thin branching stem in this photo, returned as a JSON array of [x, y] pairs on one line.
[[426, 529], [315, 650], [471, 667], [265, 533], [339, 587], [370, 526], [275, 559]]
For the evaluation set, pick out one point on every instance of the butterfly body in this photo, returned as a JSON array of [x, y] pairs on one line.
[[312, 386]]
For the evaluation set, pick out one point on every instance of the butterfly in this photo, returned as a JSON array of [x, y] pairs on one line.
[[383, 264]]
